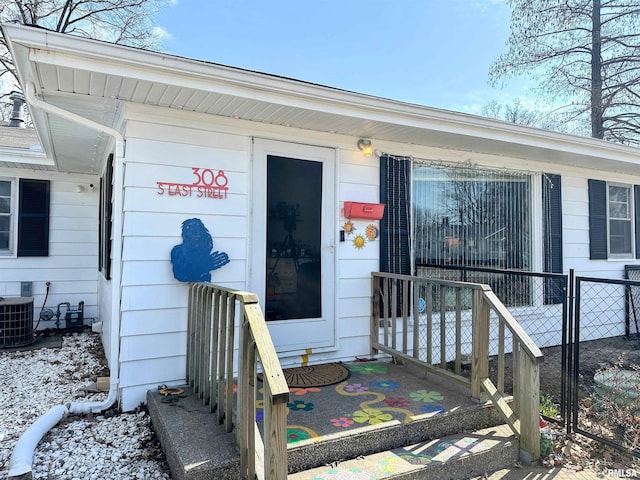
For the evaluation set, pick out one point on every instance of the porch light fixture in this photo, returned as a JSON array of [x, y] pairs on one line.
[[365, 147]]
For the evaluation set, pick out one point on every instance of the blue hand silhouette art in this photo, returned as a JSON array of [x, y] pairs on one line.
[[193, 260]]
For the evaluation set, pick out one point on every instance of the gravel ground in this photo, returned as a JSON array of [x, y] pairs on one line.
[[108, 446]]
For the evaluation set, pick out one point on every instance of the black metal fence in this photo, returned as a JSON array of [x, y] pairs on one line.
[[589, 330], [605, 380]]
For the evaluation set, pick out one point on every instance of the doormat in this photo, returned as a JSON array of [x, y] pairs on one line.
[[314, 375]]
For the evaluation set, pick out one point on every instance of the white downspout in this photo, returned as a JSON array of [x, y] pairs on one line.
[[22, 455]]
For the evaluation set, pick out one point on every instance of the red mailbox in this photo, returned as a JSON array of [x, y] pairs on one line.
[[369, 211]]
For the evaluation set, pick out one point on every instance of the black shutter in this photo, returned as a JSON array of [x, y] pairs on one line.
[[395, 252], [597, 219], [636, 211], [552, 227], [33, 218], [106, 222], [395, 188]]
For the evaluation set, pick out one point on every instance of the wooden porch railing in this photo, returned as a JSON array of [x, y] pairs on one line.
[[431, 323], [211, 366]]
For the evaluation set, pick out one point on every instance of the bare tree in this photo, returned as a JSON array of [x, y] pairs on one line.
[[127, 22], [586, 55], [517, 112]]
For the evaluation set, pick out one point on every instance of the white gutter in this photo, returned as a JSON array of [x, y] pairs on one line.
[[22, 456]]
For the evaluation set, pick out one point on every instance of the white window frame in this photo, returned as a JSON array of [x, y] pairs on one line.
[[630, 219], [13, 219]]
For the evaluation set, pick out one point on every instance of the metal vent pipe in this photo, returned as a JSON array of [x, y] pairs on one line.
[[17, 115]]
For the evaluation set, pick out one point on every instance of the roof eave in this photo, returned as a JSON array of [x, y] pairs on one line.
[[66, 50]]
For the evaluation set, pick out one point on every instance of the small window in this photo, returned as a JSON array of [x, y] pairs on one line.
[[24, 217], [33, 218], [6, 216], [620, 220]]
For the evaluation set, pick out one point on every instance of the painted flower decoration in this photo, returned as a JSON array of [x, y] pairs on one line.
[[337, 473], [299, 405], [425, 396], [303, 391], [368, 369], [341, 422], [385, 384], [295, 435], [388, 465], [415, 458], [396, 402], [371, 416], [435, 409], [355, 387]]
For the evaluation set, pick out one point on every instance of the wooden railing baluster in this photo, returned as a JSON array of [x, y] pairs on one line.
[[210, 352], [521, 414]]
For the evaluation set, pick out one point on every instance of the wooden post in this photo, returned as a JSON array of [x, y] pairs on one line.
[[205, 347], [501, 356], [458, 331], [222, 354], [529, 408], [416, 320], [189, 332], [375, 312], [228, 415], [275, 442], [214, 347], [244, 420], [429, 323], [443, 326], [251, 409], [480, 344]]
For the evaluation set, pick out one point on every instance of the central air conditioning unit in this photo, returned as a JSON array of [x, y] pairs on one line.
[[16, 321]]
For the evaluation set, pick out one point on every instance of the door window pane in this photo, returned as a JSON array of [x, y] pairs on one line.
[[294, 232]]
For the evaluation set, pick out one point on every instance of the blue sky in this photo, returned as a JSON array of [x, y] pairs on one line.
[[430, 52]]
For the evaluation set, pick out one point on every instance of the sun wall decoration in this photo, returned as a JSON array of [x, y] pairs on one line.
[[359, 240]]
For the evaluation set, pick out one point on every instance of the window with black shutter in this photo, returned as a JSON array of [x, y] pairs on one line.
[[614, 211], [33, 218]]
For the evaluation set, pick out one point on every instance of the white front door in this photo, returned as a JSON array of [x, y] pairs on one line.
[[292, 267]]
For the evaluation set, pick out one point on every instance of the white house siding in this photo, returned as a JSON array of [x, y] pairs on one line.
[[359, 179], [154, 304], [72, 263], [165, 148]]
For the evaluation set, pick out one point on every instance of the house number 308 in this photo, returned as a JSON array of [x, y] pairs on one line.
[[208, 178]]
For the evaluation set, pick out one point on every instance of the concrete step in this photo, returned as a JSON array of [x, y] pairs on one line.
[[197, 448], [454, 457]]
